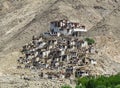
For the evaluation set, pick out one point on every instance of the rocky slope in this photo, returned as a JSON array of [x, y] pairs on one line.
[[21, 19], [106, 32], [17, 82]]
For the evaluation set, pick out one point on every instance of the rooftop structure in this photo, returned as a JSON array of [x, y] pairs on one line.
[[66, 27]]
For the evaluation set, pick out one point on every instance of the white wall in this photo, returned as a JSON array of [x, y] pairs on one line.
[[80, 30], [85, 44]]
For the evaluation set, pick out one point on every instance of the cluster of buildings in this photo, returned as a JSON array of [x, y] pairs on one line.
[[59, 53]]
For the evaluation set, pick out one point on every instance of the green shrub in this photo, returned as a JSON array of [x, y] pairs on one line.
[[66, 86], [82, 80], [91, 84], [90, 41], [78, 86]]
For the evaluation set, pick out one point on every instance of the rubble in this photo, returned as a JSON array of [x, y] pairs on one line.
[[59, 56]]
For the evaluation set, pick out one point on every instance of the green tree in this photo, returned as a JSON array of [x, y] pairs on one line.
[[82, 81], [91, 84], [98, 82]]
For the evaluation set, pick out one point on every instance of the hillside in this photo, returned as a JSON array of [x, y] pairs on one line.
[[21, 19]]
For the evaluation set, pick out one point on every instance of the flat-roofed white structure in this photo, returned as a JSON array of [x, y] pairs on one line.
[[79, 30]]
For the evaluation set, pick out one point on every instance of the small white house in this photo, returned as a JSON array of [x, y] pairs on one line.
[[63, 52], [40, 39], [73, 43], [85, 44], [62, 76], [50, 47], [94, 62], [41, 45], [45, 53], [92, 50]]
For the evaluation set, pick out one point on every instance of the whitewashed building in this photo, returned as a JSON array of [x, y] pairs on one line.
[[94, 62], [66, 27], [85, 44]]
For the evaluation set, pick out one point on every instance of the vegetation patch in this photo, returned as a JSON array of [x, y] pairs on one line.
[[66, 86], [98, 82], [90, 41]]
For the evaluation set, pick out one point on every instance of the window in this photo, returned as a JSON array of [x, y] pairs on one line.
[[68, 30], [61, 29]]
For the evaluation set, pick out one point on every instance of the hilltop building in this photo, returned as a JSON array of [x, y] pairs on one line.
[[66, 27]]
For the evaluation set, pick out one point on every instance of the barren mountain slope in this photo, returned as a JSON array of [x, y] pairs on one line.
[[107, 35], [21, 19], [33, 17]]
